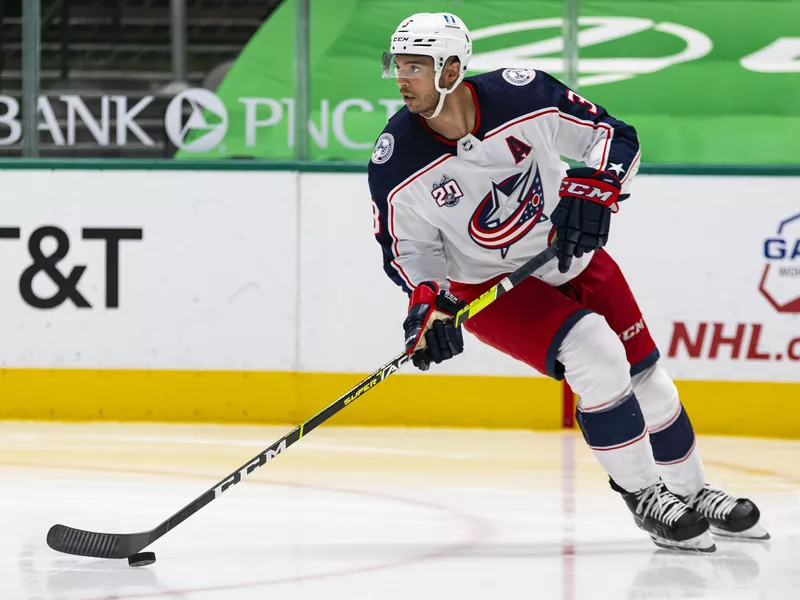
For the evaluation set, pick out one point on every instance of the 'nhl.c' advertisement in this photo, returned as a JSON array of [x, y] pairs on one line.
[[715, 263]]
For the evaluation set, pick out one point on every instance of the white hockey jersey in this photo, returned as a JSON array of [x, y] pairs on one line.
[[471, 209]]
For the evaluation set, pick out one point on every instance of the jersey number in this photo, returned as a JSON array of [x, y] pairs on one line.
[[376, 219], [575, 99]]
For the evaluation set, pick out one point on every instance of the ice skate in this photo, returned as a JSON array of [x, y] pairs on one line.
[[727, 515], [671, 524]]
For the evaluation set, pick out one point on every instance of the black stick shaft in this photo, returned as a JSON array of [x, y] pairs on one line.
[[285, 442], [109, 545]]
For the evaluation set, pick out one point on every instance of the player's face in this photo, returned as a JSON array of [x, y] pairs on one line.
[[415, 80]]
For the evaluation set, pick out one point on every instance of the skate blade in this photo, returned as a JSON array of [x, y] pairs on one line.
[[701, 543], [755, 534]]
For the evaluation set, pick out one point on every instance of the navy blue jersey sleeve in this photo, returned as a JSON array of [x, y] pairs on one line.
[[412, 248], [380, 226], [586, 132], [574, 126]]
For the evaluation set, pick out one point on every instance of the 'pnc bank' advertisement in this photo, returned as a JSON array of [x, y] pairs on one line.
[[698, 88]]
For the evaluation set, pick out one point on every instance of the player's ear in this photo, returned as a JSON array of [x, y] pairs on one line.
[[451, 70]]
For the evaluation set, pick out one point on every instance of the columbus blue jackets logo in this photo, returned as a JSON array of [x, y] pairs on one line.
[[508, 212], [519, 77], [383, 148]]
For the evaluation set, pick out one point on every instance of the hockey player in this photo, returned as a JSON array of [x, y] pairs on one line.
[[468, 184]]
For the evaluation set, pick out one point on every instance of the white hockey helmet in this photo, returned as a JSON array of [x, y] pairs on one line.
[[438, 35]]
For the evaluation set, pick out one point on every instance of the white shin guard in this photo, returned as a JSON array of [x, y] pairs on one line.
[[609, 415]]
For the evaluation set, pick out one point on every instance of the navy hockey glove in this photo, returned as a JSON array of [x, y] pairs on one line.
[[430, 334], [583, 216]]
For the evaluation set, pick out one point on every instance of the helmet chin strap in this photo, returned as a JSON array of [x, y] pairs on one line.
[[442, 92]]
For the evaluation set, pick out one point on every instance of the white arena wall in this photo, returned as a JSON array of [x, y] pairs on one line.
[[237, 302]]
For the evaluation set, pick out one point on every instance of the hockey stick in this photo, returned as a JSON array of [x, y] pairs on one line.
[[123, 545]]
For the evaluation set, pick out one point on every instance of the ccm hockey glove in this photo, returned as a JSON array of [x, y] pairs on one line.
[[582, 218], [430, 334]]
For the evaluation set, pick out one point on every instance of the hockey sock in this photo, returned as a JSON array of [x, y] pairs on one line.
[[617, 435], [676, 454], [671, 434]]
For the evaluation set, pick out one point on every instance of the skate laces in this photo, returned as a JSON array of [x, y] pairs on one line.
[[659, 503], [712, 502]]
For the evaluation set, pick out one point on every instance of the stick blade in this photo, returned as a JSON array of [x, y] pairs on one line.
[[95, 545]]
